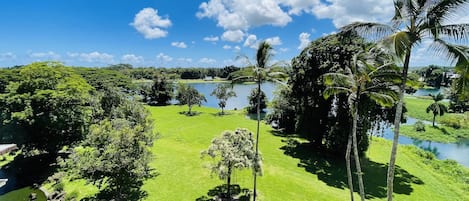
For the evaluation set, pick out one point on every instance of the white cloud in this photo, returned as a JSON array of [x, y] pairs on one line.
[[283, 49], [132, 59], [93, 57], [150, 24], [344, 12], [179, 44], [243, 14], [163, 57], [297, 7], [226, 47], [237, 48], [211, 38], [207, 60], [304, 40], [274, 41], [45, 55], [251, 41], [7, 56], [233, 35], [187, 60]]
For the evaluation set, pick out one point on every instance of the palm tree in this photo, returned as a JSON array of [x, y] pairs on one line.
[[360, 79], [262, 72], [436, 107], [415, 20]]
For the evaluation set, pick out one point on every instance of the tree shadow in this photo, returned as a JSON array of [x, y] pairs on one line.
[[219, 114], [331, 170], [190, 114], [26, 171], [254, 116], [219, 193], [281, 133], [134, 194]]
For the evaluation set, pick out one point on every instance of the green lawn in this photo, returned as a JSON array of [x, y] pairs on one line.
[[440, 133], [291, 170]]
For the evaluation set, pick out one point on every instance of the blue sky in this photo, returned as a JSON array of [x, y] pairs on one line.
[[200, 33]]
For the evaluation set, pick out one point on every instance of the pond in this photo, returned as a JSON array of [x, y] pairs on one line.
[[456, 151], [426, 91]]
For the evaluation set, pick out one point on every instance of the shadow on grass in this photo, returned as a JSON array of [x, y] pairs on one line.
[[27, 171], [219, 193], [132, 195], [219, 114], [254, 116], [332, 171], [190, 114]]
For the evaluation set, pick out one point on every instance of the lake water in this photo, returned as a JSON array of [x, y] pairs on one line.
[[456, 151], [425, 92]]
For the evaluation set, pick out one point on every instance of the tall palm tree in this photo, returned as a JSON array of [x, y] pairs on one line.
[[413, 21], [436, 107], [366, 76]]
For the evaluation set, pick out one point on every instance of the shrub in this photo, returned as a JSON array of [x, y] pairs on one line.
[[452, 122], [419, 126]]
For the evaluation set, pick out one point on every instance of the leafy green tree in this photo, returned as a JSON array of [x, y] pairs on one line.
[[188, 95], [366, 76], [414, 21], [161, 91], [115, 155], [253, 101], [47, 109], [283, 111], [233, 150], [437, 108], [223, 93]]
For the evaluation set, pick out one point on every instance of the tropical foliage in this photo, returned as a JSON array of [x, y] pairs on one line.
[[223, 93], [188, 95], [437, 108]]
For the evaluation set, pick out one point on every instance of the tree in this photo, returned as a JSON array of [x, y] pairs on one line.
[[414, 21], [188, 95], [161, 91], [47, 109], [233, 150], [437, 108], [253, 101], [223, 93], [366, 76]]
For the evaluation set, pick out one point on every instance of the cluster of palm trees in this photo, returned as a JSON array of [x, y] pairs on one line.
[[413, 22]]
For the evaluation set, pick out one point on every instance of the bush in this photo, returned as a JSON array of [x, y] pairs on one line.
[[452, 122], [419, 126]]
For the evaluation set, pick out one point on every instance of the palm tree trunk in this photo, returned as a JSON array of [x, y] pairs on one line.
[[355, 151], [397, 122], [347, 164], [434, 118], [257, 134]]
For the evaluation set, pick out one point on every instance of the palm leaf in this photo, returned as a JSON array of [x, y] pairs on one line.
[[442, 11], [369, 30], [381, 98], [337, 79], [331, 91], [457, 32], [400, 43]]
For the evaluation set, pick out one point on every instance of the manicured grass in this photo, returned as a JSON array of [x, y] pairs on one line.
[[416, 108], [440, 133], [292, 171]]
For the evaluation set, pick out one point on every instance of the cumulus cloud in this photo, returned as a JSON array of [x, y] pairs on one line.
[[304, 40], [187, 60], [344, 12], [226, 47], [179, 44], [132, 59], [243, 14], [150, 24], [251, 41], [93, 57], [45, 55], [274, 41], [207, 60], [211, 38], [163, 57], [7, 56], [233, 35]]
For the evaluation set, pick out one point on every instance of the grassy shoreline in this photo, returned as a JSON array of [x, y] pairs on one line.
[[290, 172]]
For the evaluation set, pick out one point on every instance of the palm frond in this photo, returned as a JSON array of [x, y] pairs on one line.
[[331, 91], [337, 79], [457, 32], [458, 54], [382, 99], [400, 43], [264, 53], [369, 30], [442, 10]]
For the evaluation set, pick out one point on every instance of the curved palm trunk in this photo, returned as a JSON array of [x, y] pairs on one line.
[[347, 164], [397, 122], [257, 134], [434, 118], [355, 151]]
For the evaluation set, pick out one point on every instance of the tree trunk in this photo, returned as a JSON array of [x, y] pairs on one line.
[[257, 134], [355, 150], [222, 112], [434, 118], [397, 122], [347, 164], [228, 184]]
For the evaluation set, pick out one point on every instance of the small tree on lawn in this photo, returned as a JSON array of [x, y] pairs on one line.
[[223, 93], [233, 150], [188, 95], [161, 91], [254, 101], [437, 108]]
